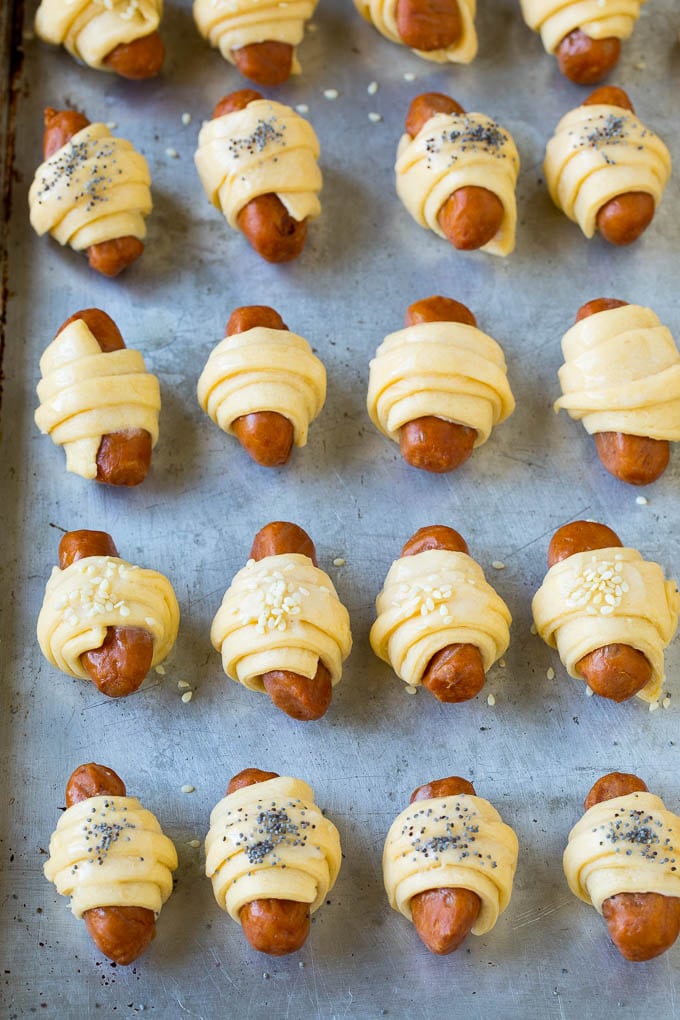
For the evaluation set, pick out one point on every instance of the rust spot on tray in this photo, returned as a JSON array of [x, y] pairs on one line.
[[11, 25]]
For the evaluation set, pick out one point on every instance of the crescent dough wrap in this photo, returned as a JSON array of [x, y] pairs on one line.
[[263, 369], [607, 597], [265, 148], [271, 841], [232, 24], [86, 394], [446, 369], [597, 153], [383, 15], [434, 599], [456, 842], [281, 612], [99, 592], [453, 151], [622, 374], [91, 29], [629, 844], [111, 852], [599, 19], [95, 188]]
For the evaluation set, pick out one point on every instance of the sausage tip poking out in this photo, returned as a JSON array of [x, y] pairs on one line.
[[580, 536], [267, 63], [137, 60], [435, 536], [425, 106], [471, 217], [429, 24], [586, 61], [642, 926]]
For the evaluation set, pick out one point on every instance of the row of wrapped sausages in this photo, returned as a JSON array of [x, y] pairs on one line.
[[283, 630], [449, 862], [436, 387], [260, 38], [456, 174]]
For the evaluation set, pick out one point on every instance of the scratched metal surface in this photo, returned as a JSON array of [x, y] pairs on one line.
[[536, 752]]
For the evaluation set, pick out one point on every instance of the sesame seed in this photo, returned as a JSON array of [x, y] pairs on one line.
[[653, 705], [302, 108], [491, 700], [410, 689], [172, 153], [409, 76], [666, 703], [111, 125], [186, 118], [338, 562], [550, 673], [374, 117], [187, 788], [183, 685], [331, 93], [589, 692], [498, 565], [641, 500], [501, 663], [160, 670], [372, 88], [195, 843], [533, 629], [640, 66], [186, 698]]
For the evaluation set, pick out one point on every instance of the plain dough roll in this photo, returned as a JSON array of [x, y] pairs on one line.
[[607, 597], [98, 592], [85, 394], [281, 612], [622, 374], [231, 24], [95, 188], [435, 599], [111, 852], [599, 19], [271, 841], [383, 15], [446, 369], [597, 153], [263, 369], [91, 29], [453, 151], [451, 842], [267, 148], [629, 844]]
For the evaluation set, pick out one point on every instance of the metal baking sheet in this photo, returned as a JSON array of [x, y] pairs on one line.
[[537, 751]]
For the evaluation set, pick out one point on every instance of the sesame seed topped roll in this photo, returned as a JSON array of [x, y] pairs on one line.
[[606, 597], [97, 592], [92, 29], [281, 613]]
